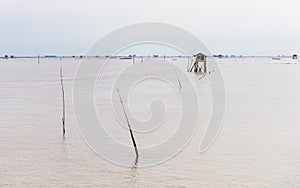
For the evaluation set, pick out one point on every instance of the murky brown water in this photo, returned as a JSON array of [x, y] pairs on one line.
[[257, 147]]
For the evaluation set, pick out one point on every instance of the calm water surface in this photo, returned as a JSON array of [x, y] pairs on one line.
[[259, 145]]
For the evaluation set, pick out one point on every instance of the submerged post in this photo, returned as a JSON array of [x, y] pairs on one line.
[[179, 83], [130, 130], [204, 65], [63, 98]]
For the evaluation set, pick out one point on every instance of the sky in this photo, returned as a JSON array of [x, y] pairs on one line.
[[71, 27]]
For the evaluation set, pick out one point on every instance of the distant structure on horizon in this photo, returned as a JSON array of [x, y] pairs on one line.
[[196, 67], [295, 56]]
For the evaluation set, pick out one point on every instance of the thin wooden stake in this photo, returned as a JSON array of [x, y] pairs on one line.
[[179, 83], [63, 95], [130, 130], [188, 65]]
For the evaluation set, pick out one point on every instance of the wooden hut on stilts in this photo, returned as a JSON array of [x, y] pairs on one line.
[[295, 56], [199, 64]]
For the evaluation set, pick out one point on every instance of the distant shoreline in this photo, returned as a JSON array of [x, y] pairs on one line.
[[137, 57]]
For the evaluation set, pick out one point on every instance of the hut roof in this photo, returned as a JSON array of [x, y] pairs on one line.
[[199, 54]]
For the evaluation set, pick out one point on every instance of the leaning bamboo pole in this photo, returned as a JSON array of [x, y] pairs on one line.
[[179, 83], [130, 130], [193, 67], [63, 98]]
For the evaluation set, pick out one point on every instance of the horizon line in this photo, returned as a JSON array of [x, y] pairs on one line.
[[139, 56]]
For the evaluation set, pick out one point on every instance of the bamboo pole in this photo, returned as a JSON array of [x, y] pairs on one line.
[[188, 65], [204, 64], [179, 83], [180, 86], [63, 97], [130, 130]]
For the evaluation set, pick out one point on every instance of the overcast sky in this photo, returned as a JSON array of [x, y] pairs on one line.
[[67, 27]]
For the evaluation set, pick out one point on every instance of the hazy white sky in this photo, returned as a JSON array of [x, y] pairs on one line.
[[67, 27]]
